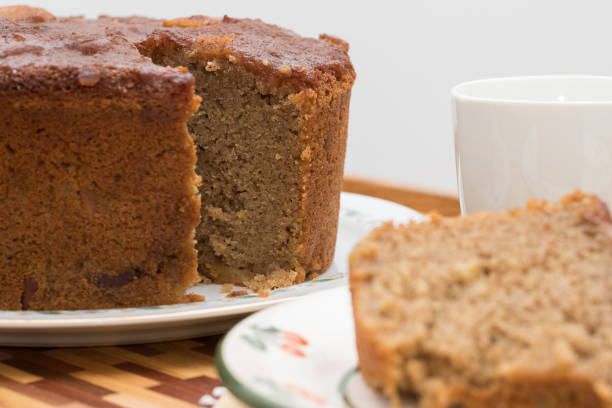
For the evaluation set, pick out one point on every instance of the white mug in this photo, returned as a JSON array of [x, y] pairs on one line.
[[532, 137]]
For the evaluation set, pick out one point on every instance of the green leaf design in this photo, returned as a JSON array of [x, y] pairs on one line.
[[254, 341], [267, 330], [351, 213]]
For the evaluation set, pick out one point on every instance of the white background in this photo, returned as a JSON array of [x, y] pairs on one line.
[[408, 54]]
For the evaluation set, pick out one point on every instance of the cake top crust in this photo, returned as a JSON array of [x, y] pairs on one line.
[[25, 13], [62, 46], [32, 40], [54, 56], [266, 49]]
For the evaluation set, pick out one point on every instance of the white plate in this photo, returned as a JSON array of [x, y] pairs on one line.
[[358, 215], [298, 354]]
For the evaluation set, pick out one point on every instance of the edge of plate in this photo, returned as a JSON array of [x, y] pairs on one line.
[[238, 390], [28, 324], [242, 391]]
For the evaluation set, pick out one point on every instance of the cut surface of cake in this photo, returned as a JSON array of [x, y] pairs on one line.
[[98, 199], [503, 310], [271, 138]]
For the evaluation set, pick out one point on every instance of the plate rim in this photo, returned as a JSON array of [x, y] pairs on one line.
[[241, 392], [237, 388], [30, 324]]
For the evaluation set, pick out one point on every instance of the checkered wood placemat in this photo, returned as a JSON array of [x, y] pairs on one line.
[[172, 374]]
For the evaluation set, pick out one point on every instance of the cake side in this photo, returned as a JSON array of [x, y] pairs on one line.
[[323, 136], [96, 217], [379, 362], [507, 309], [98, 197]]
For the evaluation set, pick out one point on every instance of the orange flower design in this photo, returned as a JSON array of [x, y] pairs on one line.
[[304, 393], [292, 349], [295, 338], [263, 337]]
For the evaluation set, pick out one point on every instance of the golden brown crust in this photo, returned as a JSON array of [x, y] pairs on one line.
[[268, 51], [376, 362], [49, 58], [26, 13], [271, 52], [323, 134], [80, 229]]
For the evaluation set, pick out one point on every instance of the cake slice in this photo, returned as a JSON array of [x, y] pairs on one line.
[[98, 191], [502, 310]]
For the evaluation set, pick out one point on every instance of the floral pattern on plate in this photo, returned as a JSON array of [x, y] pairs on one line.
[[261, 338], [258, 370]]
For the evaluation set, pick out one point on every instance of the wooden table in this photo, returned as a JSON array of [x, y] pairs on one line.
[[172, 374]]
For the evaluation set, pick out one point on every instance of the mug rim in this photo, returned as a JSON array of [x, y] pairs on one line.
[[458, 92]]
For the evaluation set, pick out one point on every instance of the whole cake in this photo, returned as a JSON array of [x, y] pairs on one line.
[[505, 310], [100, 124]]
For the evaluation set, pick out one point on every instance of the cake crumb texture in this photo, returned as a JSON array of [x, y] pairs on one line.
[[270, 145], [503, 310]]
